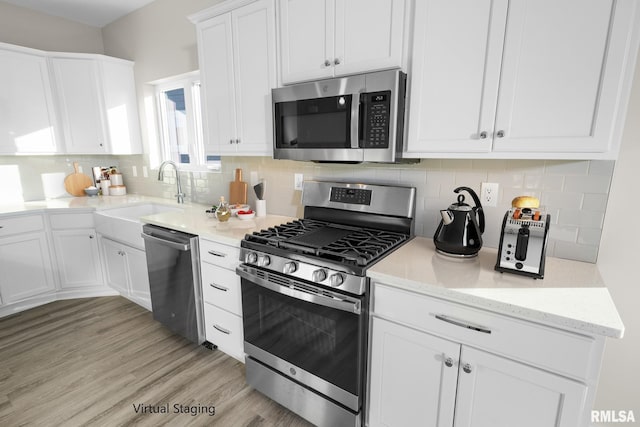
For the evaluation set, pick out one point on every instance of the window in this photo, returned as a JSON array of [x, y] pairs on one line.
[[180, 123]]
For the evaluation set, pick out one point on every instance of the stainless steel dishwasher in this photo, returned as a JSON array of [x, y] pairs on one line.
[[173, 261]]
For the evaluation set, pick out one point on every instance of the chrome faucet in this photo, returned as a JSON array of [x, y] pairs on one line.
[[180, 194]]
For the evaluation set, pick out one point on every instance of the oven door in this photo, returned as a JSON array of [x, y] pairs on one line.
[[312, 336]]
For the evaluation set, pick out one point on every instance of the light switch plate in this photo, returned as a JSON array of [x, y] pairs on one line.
[[298, 179]]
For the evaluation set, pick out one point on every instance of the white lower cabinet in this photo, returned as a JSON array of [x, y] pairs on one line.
[[222, 297], [434, 363], [25, 264], [410, 384], [126, 271], [76, 251], [495, 391], [25, 259]]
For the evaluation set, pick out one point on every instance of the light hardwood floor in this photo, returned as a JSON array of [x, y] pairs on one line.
[[89, 361]]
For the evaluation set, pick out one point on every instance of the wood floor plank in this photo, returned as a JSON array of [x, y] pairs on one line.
[[91, 361]]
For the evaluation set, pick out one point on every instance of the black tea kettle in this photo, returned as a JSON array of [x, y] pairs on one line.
[[460, 231]]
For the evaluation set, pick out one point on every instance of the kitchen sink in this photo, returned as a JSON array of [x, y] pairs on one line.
[[123, 224], [133, 213]]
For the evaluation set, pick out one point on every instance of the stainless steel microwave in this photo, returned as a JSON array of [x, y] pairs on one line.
[[353, 119]]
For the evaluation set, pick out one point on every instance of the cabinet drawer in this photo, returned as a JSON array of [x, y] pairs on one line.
[[73, 220], [221, 287], [219, 254], [20, 224], [548, 348], [224, 330]]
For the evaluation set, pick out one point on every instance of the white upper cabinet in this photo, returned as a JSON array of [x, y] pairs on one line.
[[120, 106], [326, 38], [27, 113], [236, 50], [97, 103], [521, 78], [79, 97]]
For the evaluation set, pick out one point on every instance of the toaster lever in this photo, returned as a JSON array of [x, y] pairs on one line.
[[522, 243]]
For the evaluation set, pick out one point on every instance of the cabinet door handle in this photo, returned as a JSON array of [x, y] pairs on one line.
[[218, 254], [500, 134], [223, 330], [327, 63], [448, 362], [467, 368], [238, 141], [336, 61], [483, 135], [91, 236], [218, 287], [231, 141], [463, 324]]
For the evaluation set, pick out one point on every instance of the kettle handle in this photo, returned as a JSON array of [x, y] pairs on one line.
[[477, 209]]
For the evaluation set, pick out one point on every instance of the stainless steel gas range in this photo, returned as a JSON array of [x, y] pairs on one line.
[[305, 297]]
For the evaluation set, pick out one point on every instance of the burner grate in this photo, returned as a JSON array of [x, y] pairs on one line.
[[274, 235], [363, 246], [347, 245]]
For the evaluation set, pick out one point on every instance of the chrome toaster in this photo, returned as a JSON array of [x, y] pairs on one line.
[[523, 242]]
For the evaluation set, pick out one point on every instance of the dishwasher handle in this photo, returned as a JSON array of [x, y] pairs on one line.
[[175, 245]]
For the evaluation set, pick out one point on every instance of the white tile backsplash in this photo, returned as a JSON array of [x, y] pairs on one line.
[[574, 192]]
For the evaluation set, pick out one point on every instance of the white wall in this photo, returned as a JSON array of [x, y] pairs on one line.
[[162, 42], [25, 27], [619, 264]]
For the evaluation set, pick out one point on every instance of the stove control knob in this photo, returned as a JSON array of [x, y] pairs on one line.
[[264, 260], [251, 258], [290, 267], [319, 275], [336, 280]]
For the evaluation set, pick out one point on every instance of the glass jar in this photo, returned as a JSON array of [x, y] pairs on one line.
[[223, 213]]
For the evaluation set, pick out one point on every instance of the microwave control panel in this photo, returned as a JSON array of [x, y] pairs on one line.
[[376, 115]]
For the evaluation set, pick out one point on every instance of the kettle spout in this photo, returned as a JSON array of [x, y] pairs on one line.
[[447, 216]]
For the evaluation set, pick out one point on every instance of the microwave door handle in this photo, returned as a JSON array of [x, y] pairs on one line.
[[361, 114], [357, 113]]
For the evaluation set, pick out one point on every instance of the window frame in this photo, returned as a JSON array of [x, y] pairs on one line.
[[191, 85]]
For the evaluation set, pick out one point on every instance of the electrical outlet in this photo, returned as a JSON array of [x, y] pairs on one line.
[[298, 178], [134, 171], [145, 172], [489, 194]]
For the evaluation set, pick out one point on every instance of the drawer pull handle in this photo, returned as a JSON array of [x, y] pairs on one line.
[[223, 330], [463, 324], [218, 287], [219, 254], [448, 362]]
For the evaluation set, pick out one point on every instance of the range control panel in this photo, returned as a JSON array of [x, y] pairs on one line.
[[355, 196], [376, 115]]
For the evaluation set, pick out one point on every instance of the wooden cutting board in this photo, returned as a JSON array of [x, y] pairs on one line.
[[76, 182], [238, 190]]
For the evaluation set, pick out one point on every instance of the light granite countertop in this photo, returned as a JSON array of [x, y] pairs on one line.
[[572, 294], [195, 221], [190, 217]]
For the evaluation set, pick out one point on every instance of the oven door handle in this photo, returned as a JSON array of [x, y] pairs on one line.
[[337, 301]]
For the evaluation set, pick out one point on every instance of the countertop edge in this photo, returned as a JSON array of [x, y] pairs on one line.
[[466, 297]]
